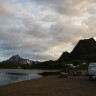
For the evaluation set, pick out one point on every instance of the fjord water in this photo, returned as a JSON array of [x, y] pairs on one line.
[[8, 76]]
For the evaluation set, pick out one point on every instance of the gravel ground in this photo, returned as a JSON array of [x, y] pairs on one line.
[[51, 86]]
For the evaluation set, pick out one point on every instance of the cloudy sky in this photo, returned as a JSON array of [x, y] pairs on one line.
[[43, 29]]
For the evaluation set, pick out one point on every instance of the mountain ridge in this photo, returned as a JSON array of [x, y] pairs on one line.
[[16, 59], [85, 49]]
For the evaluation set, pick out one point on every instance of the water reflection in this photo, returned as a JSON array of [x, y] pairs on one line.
[[15, 75]]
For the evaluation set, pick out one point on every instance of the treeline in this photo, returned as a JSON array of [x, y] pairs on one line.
[[46, 65], [14, 66], [60, 65]]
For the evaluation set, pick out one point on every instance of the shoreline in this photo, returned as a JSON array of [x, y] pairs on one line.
[[43, 74], [51, 86], [19, 81], [27, 75]]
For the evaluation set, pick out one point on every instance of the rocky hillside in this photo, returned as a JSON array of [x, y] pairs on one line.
[[85, 49]]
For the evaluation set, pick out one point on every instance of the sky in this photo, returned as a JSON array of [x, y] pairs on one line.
[[44, 29]]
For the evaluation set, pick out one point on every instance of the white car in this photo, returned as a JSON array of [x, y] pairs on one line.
[[92, 70]]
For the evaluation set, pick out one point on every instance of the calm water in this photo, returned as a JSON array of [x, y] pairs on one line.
[[8, 76]]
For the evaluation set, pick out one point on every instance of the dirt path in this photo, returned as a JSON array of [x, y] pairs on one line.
[[51, 86]]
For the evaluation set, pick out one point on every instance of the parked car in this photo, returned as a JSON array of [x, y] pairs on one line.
[[92, 70]]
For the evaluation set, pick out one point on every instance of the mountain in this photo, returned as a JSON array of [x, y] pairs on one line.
[[86, 47], [64, 56], [84, 50], [16, 59]]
